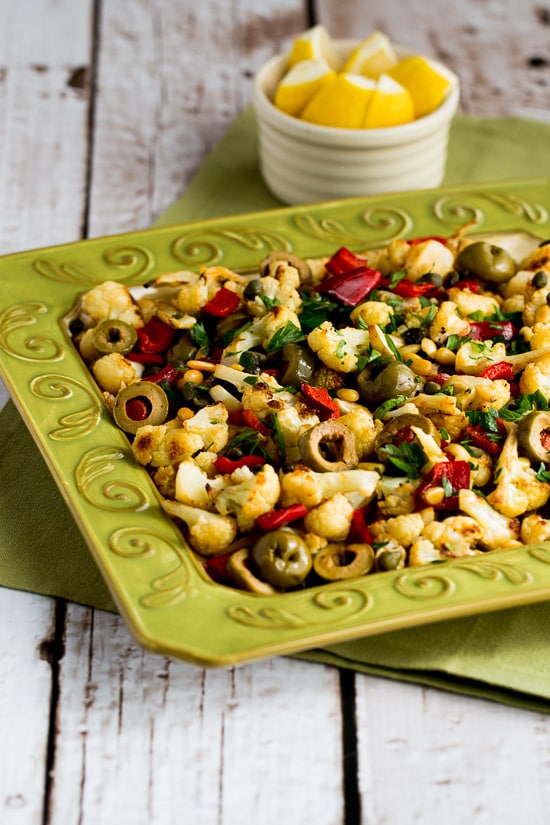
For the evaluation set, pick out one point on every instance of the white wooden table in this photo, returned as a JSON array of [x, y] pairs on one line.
[[107, 108]]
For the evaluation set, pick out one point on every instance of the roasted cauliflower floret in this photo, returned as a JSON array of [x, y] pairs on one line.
[[364, 428], [197, 289], [517, 486], [293, 422], [339, 349], [114, 371], [472, 392], [454, 536], [448, 321], [194, 487], [405, 529], [308, 487], [395, 495], [173, 442], [498, 530], [475, 356], [372, 312], [259, 333], [107, 301], [429, 256], [210, 534], [536, 376], [279, 285], [535, 529], [331, 519], [249, 495], [469, 302]]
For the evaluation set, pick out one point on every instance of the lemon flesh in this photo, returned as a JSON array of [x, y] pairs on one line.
[[390, 105], [427, 83], [341, 102], [300, 84], [312, 44], [372, 56]]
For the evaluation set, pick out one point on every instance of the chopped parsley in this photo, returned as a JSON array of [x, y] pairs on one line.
[[407, 456], [289, 334]]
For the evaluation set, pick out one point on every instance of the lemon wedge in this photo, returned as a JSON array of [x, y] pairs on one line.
[[312, 44], [372, 56], [428, 84], [341, 102], [390, 105], [300, 84]]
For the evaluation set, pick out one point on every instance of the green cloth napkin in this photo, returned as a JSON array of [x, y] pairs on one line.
[[501, 656]]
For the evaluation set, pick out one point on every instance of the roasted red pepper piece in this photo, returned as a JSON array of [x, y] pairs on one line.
[[491, 443], [216, 567], [502, 369], [251, 420], [155, 336], [224, 302], [411, 289], [452, 474], [147, 358], [319, 398], [360, 531], [486, 330], [137, 409], [351, 287], [473, 286], [227, 465], [168, 374], [278, 518], [343, 261]]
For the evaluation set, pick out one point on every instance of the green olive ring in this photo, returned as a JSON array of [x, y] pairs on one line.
[[531, 430], [328, 447], [114, 335], [281, 558], [394, 380], [390, 558], [300, 367], [153, 409], [343, 561]]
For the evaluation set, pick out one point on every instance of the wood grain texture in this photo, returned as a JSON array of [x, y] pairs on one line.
[[106, 111]]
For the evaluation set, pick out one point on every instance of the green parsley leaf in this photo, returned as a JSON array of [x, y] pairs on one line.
[[407, 456], [388, 405], [487, 420], [454, 342], [543, 474], [289, 334], [268, 302], [199, 336]]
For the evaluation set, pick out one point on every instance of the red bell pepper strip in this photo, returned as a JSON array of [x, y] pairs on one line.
[[491, 443], [251, 420], [168, 374], [343, 261], [502, 369], [278, 518], [485, 330], [155, 336], [411, 289], [360, 531], [319, 398], [350, 288], [224, 302], [216, 567], [149, 359], [452, 476], [227, 465]]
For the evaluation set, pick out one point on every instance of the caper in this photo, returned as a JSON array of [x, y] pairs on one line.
[[343, 561], [328, 447], [300, 365], [140, 404], [487, 261], [253, 361], [395, 379], [540, 279], [253, 289], [281, 558], [431, 278], [114, 335], [453, 278], [194, 395], [431, 387]]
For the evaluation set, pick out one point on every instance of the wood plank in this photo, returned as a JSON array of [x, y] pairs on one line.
[[500, 53], [26, 630]]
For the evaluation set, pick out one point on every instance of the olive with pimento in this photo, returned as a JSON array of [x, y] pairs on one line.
[[534, 435], [140, 404]]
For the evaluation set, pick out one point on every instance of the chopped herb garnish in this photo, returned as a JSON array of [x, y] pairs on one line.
[[289, 334], [388, 405], [407, 456], [543, 474], [487, 420], [199, 336]]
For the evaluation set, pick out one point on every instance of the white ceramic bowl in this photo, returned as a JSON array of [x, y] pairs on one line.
[[305, 163]]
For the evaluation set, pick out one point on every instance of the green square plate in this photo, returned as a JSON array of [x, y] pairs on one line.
[[168, 603]]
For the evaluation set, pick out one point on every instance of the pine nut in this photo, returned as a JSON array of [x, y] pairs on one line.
[[444, 355], [203, 366], [428, 346], [434, 495], [348, 395], [193, 377]]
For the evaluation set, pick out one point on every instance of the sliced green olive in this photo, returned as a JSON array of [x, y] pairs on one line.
[[281, 558], [343, 561], [399, 429], [390, 558], [395, 379], [328, 447], [540, 279], [534, 435], [114, 335], [239, 569], [486, 260], [182, 351], [300, 367], [140, 404]]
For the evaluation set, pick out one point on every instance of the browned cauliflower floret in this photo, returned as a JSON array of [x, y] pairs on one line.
[[330, 519], [249, 495], [107, 301]]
